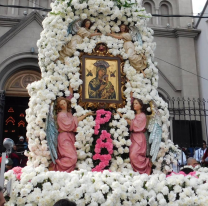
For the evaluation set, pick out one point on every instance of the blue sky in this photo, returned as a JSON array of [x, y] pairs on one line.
[[198, 5]]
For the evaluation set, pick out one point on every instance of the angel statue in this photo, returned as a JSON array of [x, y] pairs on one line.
[[61, 140], [155, 129], [138, 149], [80, 30], [138, 61]]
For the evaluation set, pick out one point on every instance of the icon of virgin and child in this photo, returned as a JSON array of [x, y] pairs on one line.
[[100, 87]]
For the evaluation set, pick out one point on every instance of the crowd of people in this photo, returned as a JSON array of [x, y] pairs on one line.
[[17, 157], [193, 158]]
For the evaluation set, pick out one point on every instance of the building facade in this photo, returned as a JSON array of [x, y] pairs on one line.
[[202, 60], [20, 29]]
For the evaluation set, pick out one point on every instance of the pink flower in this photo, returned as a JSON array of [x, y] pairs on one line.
[[18, 176], [103, 158], [182, 173], [193, 174], [96, 156], [99, 143], [102, 165], [109, 140], [17, 170], [97, 150]]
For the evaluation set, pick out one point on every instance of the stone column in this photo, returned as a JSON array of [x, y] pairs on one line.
[[10, 9], [31, 4], [187, 60], [2, 103], [171, 127]]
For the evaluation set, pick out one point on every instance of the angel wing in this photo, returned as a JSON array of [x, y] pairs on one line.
[[136, 36], [74, 26], [52, 134], [155, 130]]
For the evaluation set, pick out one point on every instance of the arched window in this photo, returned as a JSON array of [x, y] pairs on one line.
[[165, 8], [164, 11], [148, 8], [4, 10]]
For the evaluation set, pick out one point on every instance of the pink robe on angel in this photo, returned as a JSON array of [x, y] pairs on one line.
[[67, 154], [137, 152]]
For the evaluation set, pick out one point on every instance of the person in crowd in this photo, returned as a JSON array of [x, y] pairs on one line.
[[21, 140], [192, 162], [181, 161], [64, 202], [2, 200], [26, 144], [200, 152], [204, 161], [9, 164], [20, 144], [21, 147], [15, 157]]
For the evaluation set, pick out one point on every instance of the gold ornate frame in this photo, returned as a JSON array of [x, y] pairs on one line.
[[105, 104]]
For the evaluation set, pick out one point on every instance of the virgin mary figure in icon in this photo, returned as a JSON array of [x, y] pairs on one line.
[[80, 30], [100, 87]]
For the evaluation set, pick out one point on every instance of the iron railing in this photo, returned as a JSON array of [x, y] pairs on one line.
[[188, 121]]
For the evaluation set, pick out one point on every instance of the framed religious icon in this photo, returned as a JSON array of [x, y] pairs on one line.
[[101, 77]]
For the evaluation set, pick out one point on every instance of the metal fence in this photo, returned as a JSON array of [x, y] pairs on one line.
[[188, 121]]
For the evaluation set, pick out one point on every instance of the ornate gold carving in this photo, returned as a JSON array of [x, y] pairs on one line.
[[101, 49]]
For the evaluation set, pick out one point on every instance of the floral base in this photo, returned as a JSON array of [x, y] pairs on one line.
[[40, 187]]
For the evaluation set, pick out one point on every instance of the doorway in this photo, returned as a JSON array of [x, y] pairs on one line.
[[14, 117]]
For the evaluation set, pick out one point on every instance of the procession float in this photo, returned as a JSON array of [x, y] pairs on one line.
[[98, 130]]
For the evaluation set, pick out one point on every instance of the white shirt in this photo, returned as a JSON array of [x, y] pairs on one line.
[[181, 161], [199, 154]]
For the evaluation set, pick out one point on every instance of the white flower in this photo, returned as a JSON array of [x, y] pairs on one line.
[[119, 160], [83, 16]]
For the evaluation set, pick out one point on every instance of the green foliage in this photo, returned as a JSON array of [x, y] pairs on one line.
[[56, 14], [125, 5], [69, 3]]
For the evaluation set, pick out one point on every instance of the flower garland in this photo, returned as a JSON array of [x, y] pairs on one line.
[[105, 159], [99, 120]]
